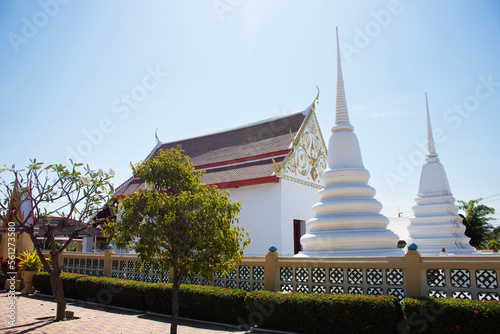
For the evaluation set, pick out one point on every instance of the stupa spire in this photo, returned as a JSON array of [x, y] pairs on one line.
[[431, 155], [341, 114]]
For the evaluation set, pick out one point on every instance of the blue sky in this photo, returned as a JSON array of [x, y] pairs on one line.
[[93, 80]]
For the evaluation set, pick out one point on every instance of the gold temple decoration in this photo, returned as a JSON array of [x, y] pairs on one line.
[[308, 158]]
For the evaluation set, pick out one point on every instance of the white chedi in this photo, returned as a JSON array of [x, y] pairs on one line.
[[347, 219], [436, 224]]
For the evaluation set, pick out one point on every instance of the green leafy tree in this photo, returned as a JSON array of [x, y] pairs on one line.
[[57, 198], [178, 223], [476, 221]]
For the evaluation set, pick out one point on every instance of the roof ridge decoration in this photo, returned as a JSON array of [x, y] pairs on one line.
[[347, 219], [306, 161], [436, 223], [156, 135]]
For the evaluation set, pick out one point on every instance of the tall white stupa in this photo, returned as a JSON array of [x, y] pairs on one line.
[[436, 224], [347, 219]]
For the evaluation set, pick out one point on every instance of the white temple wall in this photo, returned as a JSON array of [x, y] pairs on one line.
[[260, 214], [296, 203]]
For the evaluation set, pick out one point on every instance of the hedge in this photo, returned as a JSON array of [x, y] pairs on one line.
[[295, 312], [450, 315], [42, 283], [323, 313], [112, 291], [199, 302]]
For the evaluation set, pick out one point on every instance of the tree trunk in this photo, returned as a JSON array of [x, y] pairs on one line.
[[55, 275], [57, 288], [58, 293], [175, 301]]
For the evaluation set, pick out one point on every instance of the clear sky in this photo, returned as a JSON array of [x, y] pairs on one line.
[[93, 80]]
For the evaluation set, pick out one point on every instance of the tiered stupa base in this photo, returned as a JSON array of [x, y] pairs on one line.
[[347, 222], [437, 225]]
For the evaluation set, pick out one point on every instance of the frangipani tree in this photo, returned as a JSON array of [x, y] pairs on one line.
[[178, 223], [52, 198]]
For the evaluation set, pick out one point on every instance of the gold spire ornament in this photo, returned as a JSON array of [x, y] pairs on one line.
[[276, 169], [315, 100]]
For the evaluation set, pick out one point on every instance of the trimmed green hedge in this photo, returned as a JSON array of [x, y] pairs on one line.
[[112, 291], [199, 302], [295, 312], [323, 313], [450, 315], [41, 281]]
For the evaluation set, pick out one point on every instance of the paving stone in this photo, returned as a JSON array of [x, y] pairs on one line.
[[92, 318]]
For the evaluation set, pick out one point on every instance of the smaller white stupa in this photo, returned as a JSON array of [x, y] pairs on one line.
[[436, 224], [347, 219]]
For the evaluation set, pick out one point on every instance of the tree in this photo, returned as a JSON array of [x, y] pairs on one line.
[[53, 198], [178, 223], [476, 221]]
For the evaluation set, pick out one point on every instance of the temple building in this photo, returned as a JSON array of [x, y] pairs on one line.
[[347, 219], [273, 167]]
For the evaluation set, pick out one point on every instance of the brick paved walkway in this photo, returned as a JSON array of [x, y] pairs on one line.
[[92, 319]]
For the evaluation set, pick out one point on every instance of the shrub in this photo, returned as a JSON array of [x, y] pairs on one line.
[[323, 313], [159, 297], [69, 284], [112, 291], [199, 302], [444, 315], [4, 265], [29, 261], [212, 303], [41, 282]]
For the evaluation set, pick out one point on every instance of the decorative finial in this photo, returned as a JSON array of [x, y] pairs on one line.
[[316, 99], [156, 135], [276, 169], [341, 115], [432, 155], [294, 140]]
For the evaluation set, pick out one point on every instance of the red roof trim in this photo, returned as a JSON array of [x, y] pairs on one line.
[[234, 161], [124, 183], [234, 184]]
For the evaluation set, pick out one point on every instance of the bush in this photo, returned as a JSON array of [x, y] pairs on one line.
[[323, 313], [199, 302], [41, 282], [445, 315], [212, 303], [159, 297], [112, 291], [69, 284], [295, 312]]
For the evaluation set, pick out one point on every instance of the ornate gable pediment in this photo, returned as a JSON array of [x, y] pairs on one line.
[[308, 158]]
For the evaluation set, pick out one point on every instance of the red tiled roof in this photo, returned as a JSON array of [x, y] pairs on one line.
[[235, 156], [265, 137]]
